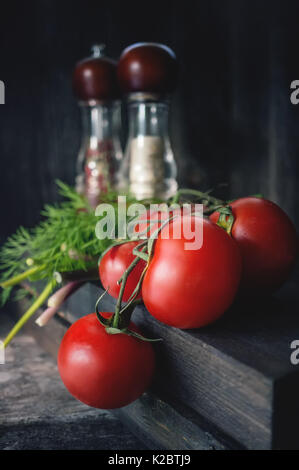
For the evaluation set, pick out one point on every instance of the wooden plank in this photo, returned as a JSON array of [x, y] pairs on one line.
[[236, 373], [37, 412], [154, 421], [160, 426], [233, 396]]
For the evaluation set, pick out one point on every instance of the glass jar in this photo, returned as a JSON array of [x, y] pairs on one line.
[[96, 88], [148, 169], [100, 152]]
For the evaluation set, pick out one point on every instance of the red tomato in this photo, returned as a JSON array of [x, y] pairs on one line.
[[103, 370], [154, 220], [192, 288], [267, 240], [113, 265]]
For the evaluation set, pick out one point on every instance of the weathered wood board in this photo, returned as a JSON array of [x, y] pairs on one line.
[[154, 421], [235, 374], [37, 412]]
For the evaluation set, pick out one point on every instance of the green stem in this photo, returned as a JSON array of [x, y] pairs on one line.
[[39, 301], [115, 322], [104, 321], [199, 194], [133, 301], [20, 277]]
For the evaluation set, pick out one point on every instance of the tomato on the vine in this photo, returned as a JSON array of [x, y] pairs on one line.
[[150, 221], [267, 240], [113, 265], [192, 288], [104, 370]]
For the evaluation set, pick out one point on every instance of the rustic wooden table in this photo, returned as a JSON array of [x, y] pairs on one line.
[[36, 412], [227, 386]]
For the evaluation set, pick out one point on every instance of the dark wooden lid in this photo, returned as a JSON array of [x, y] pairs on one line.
[[95, 78], [147, 67]]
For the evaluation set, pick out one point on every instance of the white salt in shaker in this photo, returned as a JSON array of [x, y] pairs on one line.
[[147, 73]]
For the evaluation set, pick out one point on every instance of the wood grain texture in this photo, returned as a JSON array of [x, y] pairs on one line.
[[36, 411], [232, 120], [236, 374], [154, 421], [160, 426]]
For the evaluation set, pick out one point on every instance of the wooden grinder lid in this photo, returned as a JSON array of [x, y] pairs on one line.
[[147, 67], [95, 78]]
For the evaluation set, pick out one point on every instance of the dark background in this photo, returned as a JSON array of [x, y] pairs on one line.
[[232, 119]]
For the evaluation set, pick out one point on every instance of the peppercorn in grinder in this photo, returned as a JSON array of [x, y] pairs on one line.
[[147, 74], [96, 88]]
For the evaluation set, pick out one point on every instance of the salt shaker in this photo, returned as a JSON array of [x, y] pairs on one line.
[[96, 88], [147, 74]]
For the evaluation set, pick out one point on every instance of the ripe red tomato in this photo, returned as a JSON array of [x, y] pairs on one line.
[[104, 370], [113, 265], [267, 240], [150, 221], [192, 288]]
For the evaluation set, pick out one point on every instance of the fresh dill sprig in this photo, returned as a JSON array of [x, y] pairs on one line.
[[63, 241], [59, 248]]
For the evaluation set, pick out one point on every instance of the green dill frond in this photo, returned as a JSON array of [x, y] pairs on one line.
[[63, 241]]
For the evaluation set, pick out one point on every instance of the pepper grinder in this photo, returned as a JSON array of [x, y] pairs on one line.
[[96, 88], [147, 74]]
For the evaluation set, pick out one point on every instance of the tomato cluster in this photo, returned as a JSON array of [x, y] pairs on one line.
[[183, 288]]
